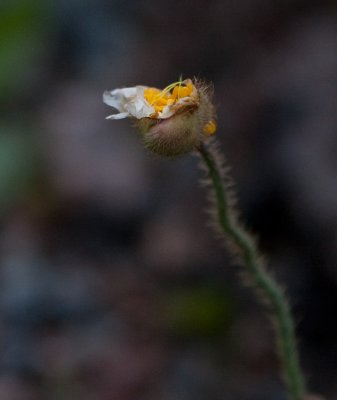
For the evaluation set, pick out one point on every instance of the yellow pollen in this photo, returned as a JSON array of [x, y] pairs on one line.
[[182, 91], [209, 128], [150, 94], [159, 99]]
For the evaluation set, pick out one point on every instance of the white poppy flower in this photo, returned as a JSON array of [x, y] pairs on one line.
[[146, 102], [171, 121]]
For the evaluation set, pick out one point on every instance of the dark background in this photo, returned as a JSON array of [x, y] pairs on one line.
[[112, 286]]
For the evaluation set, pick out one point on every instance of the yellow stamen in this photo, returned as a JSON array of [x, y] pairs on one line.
[[171, 86], [159, 99], [209, 128], [182, 91], [150, 94]]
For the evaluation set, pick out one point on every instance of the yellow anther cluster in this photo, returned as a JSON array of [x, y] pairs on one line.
[[209, 128], [181, 91], [168, 96]]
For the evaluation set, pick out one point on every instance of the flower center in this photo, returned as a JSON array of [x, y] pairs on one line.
[[168, 96]]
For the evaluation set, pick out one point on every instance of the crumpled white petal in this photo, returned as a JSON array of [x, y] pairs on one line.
[[129, 102]]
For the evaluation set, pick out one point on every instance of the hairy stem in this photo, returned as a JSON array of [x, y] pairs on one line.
[[243, 245]]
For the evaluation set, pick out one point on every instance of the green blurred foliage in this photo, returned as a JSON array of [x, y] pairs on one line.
[[18, 166], [202, 311], [23, 25]]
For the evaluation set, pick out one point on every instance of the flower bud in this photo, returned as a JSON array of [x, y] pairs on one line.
[[172, 121]]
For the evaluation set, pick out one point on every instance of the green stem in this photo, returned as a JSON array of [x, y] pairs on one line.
[[246, 249]]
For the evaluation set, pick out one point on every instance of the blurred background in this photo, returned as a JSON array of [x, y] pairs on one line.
[[112, 286]]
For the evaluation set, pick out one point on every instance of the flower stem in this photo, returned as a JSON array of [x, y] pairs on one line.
[[244, 246]]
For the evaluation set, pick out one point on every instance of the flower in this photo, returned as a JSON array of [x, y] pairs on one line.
[[172, 121]]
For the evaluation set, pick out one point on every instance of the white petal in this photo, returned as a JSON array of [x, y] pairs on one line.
[[129, 102], [167, 112], [119, 97], [118, 116], [138, 108], [170, 110]]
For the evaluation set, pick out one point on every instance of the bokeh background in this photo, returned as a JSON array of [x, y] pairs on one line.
[[112, 285]]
